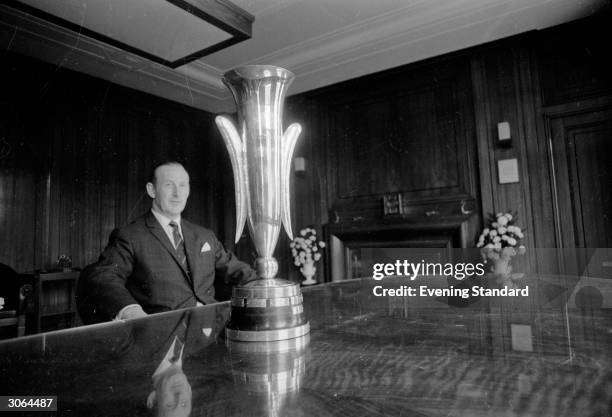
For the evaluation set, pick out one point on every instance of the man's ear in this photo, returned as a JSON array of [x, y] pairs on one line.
[[151, 189], [151, 399]]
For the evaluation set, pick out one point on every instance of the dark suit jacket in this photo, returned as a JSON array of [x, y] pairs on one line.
[[140, 266]]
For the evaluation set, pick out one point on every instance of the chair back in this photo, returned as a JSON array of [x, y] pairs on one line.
[[15, 295], [9, 287]]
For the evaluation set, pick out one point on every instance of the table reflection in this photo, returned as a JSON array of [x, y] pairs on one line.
[[171, 394], [543, 355], [270, 373]]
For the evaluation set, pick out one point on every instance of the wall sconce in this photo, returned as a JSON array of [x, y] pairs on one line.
[[392, 204], [299, 165], [503, 134]]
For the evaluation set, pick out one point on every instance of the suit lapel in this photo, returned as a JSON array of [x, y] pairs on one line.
[[159, 233], [191, 247]]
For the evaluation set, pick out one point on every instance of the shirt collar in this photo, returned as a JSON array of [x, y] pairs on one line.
[[168, 361], [163, 220]]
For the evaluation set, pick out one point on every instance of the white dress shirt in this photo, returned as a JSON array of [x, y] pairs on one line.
[[165, 224]]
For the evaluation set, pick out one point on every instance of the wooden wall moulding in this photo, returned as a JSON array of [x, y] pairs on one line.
[[580, 147], [410, 133], [373, 211]]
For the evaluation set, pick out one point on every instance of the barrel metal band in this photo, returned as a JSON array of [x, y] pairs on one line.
[[267, 302], [267, 335]]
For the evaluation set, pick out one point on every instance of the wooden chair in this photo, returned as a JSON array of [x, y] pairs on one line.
[[54, 300], [15, 295]]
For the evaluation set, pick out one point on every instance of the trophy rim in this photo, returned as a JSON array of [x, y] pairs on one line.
[[256, 72]]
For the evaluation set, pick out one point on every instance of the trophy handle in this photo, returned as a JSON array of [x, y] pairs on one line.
[[289, 140], [237, 153]]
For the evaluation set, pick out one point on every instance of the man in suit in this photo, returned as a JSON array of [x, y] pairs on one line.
[[160, 261]]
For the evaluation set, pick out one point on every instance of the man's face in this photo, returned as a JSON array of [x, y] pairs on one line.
[[170, 190], [172, 394], [175, 396]]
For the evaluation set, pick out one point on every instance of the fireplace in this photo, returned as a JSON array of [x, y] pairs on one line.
[[352, 249]]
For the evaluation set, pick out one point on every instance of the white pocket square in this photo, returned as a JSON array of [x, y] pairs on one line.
[[205, 248]]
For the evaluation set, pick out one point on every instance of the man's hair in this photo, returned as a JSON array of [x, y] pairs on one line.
[[154, 170]]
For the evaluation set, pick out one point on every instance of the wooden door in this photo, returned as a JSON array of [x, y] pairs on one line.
[[581, 154]]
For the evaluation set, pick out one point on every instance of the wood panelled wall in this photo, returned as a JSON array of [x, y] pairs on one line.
[[75, 154], [429, 131]]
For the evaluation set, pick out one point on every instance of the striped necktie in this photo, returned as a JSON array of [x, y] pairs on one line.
[[179, 245]]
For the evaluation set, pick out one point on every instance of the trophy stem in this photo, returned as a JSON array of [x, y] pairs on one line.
[[266, 268]]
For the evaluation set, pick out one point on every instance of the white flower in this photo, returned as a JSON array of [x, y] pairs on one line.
[[520, 235], [497, 245], [494, 225], [502, 221], [305, 248], [496, 239], [501, 230], [512, 241], [485, 231], [505, 237], [489, 246], [479, 244], [508, 216], [493, 233]]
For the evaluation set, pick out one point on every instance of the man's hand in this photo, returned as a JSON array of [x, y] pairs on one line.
[[133, 311]]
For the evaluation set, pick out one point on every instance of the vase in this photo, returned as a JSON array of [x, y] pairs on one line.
[[309, 271], [501, 267], [267, 308], [502, 270]]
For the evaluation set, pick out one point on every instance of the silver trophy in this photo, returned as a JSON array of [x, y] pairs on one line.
[[267, 308]]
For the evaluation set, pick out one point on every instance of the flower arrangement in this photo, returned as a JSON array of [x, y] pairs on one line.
[[64, 262], [305, 248], [501, 240]]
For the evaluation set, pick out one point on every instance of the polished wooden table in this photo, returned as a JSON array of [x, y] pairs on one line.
[[548, 354]]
